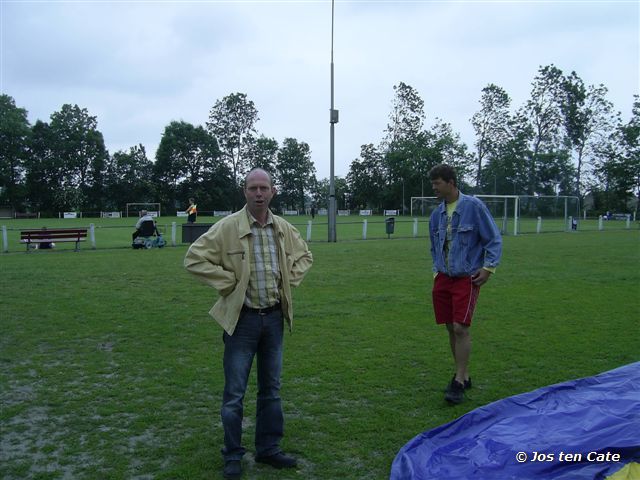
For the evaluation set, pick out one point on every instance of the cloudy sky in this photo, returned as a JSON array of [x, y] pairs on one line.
[[138, 65]]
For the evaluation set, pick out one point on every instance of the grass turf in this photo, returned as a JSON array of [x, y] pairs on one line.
[[110, 366]]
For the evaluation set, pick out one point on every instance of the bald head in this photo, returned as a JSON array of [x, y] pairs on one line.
[[258, 172], [258, 191]]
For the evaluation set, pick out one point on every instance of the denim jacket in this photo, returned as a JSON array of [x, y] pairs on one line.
[[475, 242]]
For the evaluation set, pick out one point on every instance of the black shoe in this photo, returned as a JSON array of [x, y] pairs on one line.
[[232, 469], [279, 460], [467, 384], [455, 393]]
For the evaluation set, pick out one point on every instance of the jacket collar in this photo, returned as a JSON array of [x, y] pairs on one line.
[[461, 198], [244, 227]]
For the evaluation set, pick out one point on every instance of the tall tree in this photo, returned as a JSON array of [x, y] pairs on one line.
[[366, 178], [588, 118], [232, 122], [543, 110], [186, 156], [407, 116], [630, 134], [45, 171], [617, 167], [263, 153], [490, 124], [15, 133], [129, 178], [296, 173], [320, 193], [506, 172], [80, 148]]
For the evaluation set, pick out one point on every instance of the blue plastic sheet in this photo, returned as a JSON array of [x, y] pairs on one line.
[[571, 430]]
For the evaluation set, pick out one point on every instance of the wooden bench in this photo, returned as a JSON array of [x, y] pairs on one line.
[[53, 235]]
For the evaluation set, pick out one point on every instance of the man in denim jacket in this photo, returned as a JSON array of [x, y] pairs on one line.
[[466, 247]]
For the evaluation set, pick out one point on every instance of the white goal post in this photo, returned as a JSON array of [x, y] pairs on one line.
[[134, 209], [555, 209], [498, 205], [500, 208]]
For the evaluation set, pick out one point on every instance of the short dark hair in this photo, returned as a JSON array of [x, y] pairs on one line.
[[445, 172]]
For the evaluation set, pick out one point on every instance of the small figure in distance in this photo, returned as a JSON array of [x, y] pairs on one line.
[[192, 211]]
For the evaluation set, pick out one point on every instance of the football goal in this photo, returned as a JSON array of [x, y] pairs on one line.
[[517, 214], [499, 206], [134, 209]]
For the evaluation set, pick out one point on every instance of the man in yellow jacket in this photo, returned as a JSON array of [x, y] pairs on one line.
[[252, 258]]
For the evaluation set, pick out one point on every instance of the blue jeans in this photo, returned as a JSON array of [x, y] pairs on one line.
[[261, 336]]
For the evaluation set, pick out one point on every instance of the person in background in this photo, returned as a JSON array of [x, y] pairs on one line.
[[144, 217], [45, 245], [252, 258], [192, 211], [466, 248]]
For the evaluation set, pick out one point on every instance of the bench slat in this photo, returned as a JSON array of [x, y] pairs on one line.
[[53, 235], [51, 239], [42, 235]]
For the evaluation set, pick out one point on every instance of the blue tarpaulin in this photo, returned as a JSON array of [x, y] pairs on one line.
[[571, 430]]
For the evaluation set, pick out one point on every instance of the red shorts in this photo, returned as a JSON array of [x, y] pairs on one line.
[[454, 299]]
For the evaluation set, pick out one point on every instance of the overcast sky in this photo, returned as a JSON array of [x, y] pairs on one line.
[[138, 65]]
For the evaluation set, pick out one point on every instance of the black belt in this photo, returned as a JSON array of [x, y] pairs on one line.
[[262, 311]]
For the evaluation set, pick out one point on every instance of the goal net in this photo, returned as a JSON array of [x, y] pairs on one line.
[[498, 206], [548, 213], [516, 214], [423, 206], [134, 209]]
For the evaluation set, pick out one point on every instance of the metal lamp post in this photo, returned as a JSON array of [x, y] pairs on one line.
[[333, 119]]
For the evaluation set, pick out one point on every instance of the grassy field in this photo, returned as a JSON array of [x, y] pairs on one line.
[[110, 367]]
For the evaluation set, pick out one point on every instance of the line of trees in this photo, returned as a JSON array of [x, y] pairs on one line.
[[63, 165], [565, 140]]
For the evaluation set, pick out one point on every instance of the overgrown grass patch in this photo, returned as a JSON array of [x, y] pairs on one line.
[[111, 367]]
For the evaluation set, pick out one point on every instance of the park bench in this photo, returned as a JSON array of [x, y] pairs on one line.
[[53, 235]]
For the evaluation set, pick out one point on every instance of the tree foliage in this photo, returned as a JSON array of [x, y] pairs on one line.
[[232, 123], [295, 173], [565, 139], [188, 165], [491, 125], [15, 133], [129, 178], [407, 115]]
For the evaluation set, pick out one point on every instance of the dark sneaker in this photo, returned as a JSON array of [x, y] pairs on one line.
[[279, 460], [232, 469], [467, 384], [455, 393]]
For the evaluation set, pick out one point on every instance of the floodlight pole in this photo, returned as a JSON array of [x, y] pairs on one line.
[[333, 119]]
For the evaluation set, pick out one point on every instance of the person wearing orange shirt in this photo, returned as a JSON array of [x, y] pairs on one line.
[[192, 211]]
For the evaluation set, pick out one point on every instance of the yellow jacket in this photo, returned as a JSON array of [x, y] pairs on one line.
[[220, 258]]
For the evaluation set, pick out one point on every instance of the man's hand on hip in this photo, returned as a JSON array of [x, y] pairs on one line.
[[481, 277]]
